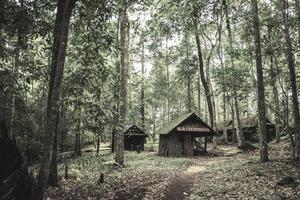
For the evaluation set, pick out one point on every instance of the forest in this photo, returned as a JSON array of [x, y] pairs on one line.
[[149, 99]]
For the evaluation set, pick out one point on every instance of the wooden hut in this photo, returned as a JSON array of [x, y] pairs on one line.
[[134, 138], [249, 128], [225, 128], [178, 138]]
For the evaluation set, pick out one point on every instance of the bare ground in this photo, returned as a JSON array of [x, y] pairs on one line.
[[180, 186]]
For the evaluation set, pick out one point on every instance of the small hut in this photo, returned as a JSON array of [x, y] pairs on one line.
[[225, 128], [178, 138], [250, 129], [134, 138]]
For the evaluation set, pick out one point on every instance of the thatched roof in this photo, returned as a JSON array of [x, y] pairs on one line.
[[177, 122], [134, 130]]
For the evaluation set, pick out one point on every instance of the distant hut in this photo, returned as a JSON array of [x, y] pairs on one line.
[[134, 138], [249, 128], [178, 138], [225, 128]]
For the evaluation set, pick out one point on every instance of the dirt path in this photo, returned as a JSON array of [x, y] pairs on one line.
[[179, 188]]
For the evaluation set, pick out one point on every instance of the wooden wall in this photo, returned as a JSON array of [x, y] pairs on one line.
[[175, 145]]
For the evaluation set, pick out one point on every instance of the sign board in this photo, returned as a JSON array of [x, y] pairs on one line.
[[193, 129]]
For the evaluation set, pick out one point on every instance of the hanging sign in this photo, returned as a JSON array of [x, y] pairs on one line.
[[193, 129]]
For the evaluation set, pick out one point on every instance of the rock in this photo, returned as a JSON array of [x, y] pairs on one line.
[[247, 147], [287, 181]]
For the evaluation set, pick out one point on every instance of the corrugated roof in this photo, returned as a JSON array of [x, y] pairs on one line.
[[175, 123]]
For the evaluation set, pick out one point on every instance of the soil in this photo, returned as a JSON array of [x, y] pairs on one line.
[[133, 194], [179, 188]]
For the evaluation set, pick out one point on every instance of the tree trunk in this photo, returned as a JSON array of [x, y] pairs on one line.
[[239, 131], [201, 69], [52, 178], [98, 145], [236, 119], [154, 124], [220, 55], [142, 86], [189, 105], [124, 48], [77, 145], [13, 96], [168, 81], [273, 77], [15, 68], [291, 64], [116, 95], [264, 157], [60, 35], [199, 93], [297, 6], [63, 130]]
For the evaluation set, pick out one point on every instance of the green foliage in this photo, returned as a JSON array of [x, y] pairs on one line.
[[232, 79]]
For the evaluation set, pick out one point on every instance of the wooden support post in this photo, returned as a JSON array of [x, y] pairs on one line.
[[205, 143]]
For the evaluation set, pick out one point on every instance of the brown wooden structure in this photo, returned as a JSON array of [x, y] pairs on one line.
[[134, 138], [249, 127], [178, 138]]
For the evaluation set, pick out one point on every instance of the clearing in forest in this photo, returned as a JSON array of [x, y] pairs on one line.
[[230, 175]]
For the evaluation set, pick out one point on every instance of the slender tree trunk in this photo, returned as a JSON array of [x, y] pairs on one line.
[[116, 93], [63, 129], [220, 55], [168, 81], [237, 121], [142, 86], [52, 178], [124, 45], [163, 112], [13, 96], [239, 132], [234, 135], [14, 78], [207, 72], [189, 106], [273, 76], [291, 64], [154, 124], [77, 145], [201, 70], [264, 157], [98, 145], [199, 92], [297, 6], [189, 78], [60, 35]]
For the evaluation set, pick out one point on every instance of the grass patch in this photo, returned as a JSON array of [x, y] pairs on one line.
[[86, 166]]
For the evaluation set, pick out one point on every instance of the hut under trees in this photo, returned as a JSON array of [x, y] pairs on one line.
[[134, 138], [179, 137], [249, 127]]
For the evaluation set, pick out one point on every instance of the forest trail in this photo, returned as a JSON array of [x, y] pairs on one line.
[[180, 187]]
